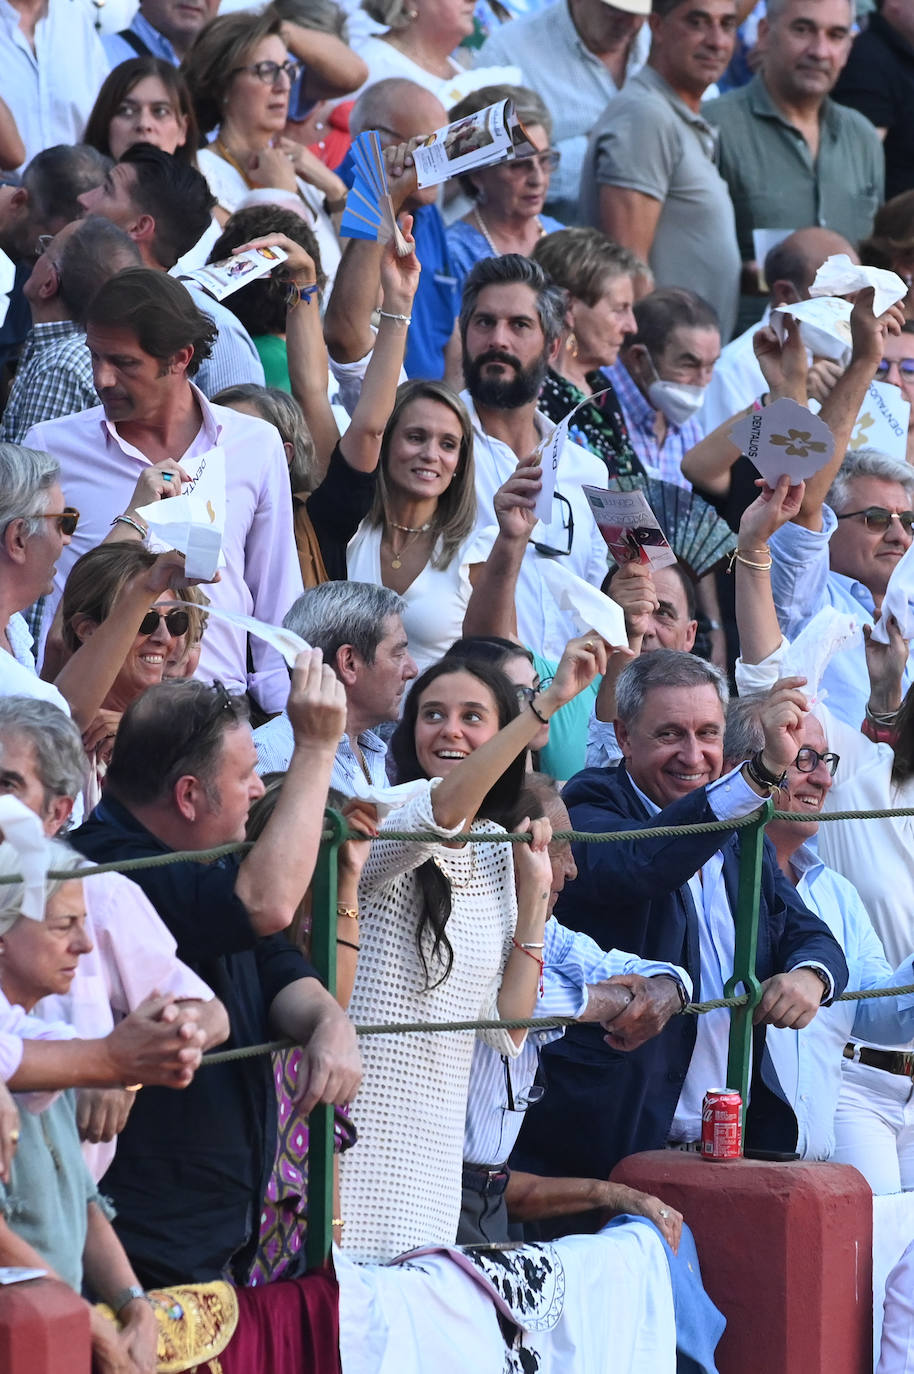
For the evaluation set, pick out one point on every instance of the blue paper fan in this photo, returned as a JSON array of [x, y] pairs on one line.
[[369, 212]]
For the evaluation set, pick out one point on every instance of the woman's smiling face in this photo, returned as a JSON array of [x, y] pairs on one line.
[[457, 713]]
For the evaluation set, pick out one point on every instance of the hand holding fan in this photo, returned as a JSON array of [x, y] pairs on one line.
[[369, 212]]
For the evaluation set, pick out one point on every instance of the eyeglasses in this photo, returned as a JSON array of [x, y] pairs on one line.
[[523, 1100], [43, 243], [268, 72], [905, 367], [67, 519], [878, 518], [527, 694], [176, 622], [557, 542], [546, 161], [808, 760]]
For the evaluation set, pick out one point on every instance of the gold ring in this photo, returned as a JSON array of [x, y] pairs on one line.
[[14, 1137], [589, 644]]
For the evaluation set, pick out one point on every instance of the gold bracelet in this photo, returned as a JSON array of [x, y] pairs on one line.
[[338, 1223], [351, 911], [737, 557]]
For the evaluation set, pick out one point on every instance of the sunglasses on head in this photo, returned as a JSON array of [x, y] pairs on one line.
[[878, 518], [176, 622], [67, 519]]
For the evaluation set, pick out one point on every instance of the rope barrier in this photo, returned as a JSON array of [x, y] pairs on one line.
[[653, 832], [526, 1023]]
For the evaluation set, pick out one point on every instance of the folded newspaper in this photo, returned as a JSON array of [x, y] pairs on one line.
[[630, 528], [492, 135], [220, 279]]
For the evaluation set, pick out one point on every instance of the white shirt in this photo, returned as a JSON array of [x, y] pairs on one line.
[[275, 744], [540, 624], [385, 61], [133, 955], [18, 676], [17, 1025], [261, 577], [51, 91], [736, 380]]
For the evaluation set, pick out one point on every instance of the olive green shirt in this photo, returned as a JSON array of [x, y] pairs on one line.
[[774, 181]]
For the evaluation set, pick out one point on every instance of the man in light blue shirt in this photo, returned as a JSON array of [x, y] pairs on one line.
[[809, 1061], [841, 554], [358, 628], [160, 28]]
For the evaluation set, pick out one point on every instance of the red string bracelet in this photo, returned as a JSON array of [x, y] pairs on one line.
[[530, 955]]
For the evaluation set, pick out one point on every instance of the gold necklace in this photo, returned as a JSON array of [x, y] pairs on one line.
[[396, 555], [223, 152]]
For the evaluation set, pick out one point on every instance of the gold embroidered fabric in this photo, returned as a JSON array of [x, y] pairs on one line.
[[196, 1323]]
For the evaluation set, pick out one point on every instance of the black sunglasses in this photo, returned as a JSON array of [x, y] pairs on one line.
[[176, 622], [878, 518], [549, 547]]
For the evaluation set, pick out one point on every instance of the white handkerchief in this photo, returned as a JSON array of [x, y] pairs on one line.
[[898, 599], [22, 830], [825, 326], [550, 451], [838, 276], [589, 608], [386, 799], [784, 438], [828, 633], [285, 642], [186, 523]]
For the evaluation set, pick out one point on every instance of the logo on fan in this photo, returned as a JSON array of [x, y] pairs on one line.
[[797, 443]]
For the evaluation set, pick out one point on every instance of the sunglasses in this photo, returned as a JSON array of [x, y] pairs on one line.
[[67, 519], [176, 622], [878, 518], [808, 760]]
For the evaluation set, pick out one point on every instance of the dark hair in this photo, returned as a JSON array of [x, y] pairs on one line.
[[903, 766], [261, 305], [118, 84], [498, 803], [95, 251], [538, 793], [488, 649], [96, 580], [173, 730], [56, 178], [158, 310], [892, 234], [175, 194], [508, 270], [666, 309], [218, 50]]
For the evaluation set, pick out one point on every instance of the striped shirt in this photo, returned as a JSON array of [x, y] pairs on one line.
[[275, 743], [659, 460]]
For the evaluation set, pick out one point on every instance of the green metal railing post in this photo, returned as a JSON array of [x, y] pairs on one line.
[[739, 1059], [320, 1122]]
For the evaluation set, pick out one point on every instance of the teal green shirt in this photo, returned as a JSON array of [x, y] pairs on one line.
[[271, 350], [774, 181], [564, 755]]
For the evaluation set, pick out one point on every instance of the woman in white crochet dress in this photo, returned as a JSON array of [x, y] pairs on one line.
[[449, 932]]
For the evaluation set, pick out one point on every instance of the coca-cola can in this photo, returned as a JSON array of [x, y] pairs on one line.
[[721, 1124]]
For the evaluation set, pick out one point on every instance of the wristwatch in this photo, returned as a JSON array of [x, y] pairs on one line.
[[125, 1295], [823, 977]]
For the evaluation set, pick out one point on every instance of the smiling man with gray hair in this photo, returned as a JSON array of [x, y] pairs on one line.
[[358, 628]]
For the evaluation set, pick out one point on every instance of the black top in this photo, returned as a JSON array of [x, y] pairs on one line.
[[191, 1167], [337, 507], [879, 82]]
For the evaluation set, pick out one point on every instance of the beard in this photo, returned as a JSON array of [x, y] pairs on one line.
[[504, 393]]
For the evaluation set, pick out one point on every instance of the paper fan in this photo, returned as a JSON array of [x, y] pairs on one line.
[[369, 212], [698, 536]]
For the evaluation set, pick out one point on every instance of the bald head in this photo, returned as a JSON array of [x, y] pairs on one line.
[[398, 109], [791, 267]]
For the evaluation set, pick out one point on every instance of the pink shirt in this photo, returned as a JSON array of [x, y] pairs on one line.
[[134, 955], [262, 576]]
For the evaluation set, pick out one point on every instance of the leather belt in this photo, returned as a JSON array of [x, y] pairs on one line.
[[890, 1061], [490, 1182]]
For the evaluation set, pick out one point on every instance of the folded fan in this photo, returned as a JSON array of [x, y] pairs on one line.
[[369, 212], [698, 536]]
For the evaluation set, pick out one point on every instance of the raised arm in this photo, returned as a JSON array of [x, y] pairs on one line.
[[333, 69], [275, 874], [756, 617], [842, 406], [492, 608], [361, 443]]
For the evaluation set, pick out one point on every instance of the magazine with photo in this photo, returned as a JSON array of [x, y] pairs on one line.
[[630, 527], [492, 135], [220, 279]]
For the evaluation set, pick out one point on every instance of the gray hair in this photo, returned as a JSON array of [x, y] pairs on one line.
[[509, 270], [60, 759], [338, 613], [867, 462], [529, 106], [393, 14], [59, 857], [56, 178], [664, 668], [26, 477], [744, 735], [95, 251]]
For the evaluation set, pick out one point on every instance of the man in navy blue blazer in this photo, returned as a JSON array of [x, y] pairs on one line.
[[673, 899]]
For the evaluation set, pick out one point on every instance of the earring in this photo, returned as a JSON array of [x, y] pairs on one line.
[[411, 16], [572, 345]]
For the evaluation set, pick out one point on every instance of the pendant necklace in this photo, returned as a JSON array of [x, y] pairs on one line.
[[411, 531]]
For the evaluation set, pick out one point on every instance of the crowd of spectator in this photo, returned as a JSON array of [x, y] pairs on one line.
[[386, 421]]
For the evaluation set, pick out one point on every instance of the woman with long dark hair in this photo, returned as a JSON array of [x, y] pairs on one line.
[[448, 932]]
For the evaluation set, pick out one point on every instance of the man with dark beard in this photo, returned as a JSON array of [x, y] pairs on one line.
[[511, 320]]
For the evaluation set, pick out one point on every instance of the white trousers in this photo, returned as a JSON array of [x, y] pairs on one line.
[[874, 1126], [896, 1354]]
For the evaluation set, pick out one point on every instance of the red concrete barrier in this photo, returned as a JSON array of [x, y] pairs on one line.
[[786, 1253], [44, 1329]]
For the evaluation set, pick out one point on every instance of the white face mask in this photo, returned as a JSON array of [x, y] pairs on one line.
[[676, 400]]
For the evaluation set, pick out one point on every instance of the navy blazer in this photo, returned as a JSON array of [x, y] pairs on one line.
[[602, 1104]]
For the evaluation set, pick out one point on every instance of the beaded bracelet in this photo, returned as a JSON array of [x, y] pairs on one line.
[[126, 520]]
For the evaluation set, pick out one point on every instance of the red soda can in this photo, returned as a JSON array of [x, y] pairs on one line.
[[721, 1124]]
